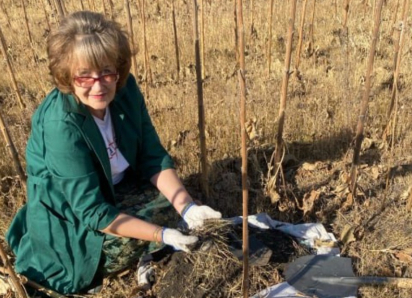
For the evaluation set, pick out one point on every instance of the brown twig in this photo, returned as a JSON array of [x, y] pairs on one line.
[[252, 19], [365, 101], [175, 40], [398, 44], [104, 8], [26, 21], [393, 108], [201, 111], [395, 14], [345, 14], [9, 270], [93, 6], [409, 202], [12, 150], [10, 69], [35, 285], [299, 46], [60, 9], [111, 9], [4, 11], [81, 4], [148, 71], [285, 81], [202, 37], [235, 29], [312, 27], [46, 16], [130, 30], [270, 36], [242, 84]]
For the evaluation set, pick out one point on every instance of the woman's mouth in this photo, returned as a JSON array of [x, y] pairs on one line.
[[97, 96]]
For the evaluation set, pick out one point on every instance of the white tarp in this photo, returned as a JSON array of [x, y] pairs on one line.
[[307, 233]]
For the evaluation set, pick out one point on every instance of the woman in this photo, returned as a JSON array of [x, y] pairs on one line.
[[90, 156]]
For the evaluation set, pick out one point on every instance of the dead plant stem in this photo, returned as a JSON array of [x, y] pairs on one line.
[[176, 41], [270, 37], [202, 37], [59, 7], [200, 105], [345, 13], [10, 69], [398, 54], [365, 100], [299, 46], [4, 11], [46, 17], [148, 71], [285, 82], [12, 150], [245, 195], [311, 26], [130, 30], [104, 8], [10, 271]]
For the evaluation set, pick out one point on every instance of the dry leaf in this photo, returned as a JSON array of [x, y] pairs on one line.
[[407, 195], [309, 166], [347, 235], [367, 144], [251, 128], [309, 201], [349, 202], [274, 196], [344, 177], [4, 286], [341, 188], [367, 203], [375, 172], [404, 256]]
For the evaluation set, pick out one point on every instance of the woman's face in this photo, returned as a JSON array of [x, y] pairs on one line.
[[95, 88]]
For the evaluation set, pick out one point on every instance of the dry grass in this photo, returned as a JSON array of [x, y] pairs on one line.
[[321, 115], [212, 269]]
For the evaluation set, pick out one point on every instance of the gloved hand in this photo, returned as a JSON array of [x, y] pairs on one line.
[[195, 215], [176, 239], [145, 272]]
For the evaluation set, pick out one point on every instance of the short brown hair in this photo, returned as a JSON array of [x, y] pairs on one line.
[[90, 37]]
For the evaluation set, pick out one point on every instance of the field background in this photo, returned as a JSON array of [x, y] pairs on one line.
[[321, 115]]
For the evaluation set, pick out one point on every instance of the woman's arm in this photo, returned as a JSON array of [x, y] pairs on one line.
[[125, 225], [128, 226], [172, 188]]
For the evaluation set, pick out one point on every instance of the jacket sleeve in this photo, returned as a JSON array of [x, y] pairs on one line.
[[69, 160], [153, 157]]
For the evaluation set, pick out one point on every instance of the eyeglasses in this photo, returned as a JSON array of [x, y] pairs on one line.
[[87, 82]]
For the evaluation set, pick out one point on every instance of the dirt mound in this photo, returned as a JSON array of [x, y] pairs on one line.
[[215, 268]]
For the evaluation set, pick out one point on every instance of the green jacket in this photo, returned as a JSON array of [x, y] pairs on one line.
[[55, 236]]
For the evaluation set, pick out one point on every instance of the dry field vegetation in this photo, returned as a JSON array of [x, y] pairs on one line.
[[375, 229]]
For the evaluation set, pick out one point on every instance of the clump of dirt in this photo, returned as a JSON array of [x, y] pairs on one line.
[[215, 268]]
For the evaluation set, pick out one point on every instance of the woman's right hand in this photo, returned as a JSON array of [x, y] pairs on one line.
[[176, 239]]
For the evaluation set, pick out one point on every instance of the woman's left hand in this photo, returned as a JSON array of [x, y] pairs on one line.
[[195, 215]]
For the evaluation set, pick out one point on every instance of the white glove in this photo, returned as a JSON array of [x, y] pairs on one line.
[[195, 215], [176, 239], [145, 272]]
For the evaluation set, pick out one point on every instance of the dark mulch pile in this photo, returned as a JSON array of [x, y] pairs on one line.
[[218, 271]]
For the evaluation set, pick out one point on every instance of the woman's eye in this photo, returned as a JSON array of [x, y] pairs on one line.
[[106, 71]]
